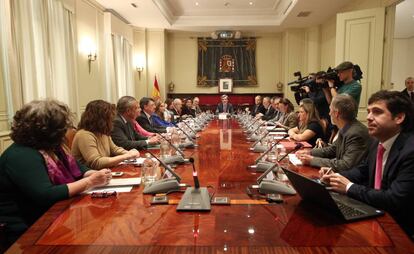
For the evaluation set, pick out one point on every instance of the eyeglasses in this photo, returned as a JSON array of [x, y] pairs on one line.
[[104, 194]]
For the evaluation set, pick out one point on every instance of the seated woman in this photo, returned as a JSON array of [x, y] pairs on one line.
[[158, 117], [310, 128], [38, 170], [93, 144], [289, 118]]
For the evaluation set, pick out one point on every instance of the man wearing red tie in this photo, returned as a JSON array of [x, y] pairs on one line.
[[385, 179]]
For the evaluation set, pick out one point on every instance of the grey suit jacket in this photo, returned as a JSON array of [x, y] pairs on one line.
[[348, 150], [124, 135]]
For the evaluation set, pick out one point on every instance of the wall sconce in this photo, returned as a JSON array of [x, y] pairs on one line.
[[139, 63], [91, 58], [88, 47], [139, 70]]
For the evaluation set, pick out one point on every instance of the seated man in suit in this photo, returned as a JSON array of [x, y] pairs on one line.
[[409, 88], [176, 110], [123, 133], [385, 179], [145, 118], [225, 106], [258, 107], [350, 147], [277, 114], [269, 110]]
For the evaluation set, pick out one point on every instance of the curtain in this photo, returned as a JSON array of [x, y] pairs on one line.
[[5, 37], [44, 38], [122, 64]]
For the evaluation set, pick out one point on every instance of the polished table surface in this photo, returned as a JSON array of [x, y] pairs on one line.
[[129, 224]]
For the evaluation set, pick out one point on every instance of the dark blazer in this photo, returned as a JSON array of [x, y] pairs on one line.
[[176, 116], [347, 151], [188, 111], [229, 108], [148, 125], [124, 135], [258, 109], [406, 94], [397, 187], [269, 113]]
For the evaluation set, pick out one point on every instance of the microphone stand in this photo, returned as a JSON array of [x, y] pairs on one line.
[[165, 185], [270, 148], [185, 133], [259, 140], [175, 158]]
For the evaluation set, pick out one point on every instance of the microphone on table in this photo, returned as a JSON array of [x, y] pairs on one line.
[[259, 140], [270, 148], [165, 185], [269, 186], [174, 158], [185, 133], [195, 175]]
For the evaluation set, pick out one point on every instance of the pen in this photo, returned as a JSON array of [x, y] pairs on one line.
[[326, 173], [329, 171]]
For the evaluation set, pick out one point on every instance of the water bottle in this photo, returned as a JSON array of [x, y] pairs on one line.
[[164, 149], [149, 170]]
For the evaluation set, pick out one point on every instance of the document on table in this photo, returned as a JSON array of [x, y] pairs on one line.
[[124, 181], [295, 160], [118, 185], [107, 189]]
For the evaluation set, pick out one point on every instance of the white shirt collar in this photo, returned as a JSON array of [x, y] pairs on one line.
[[389, 142], [148, 116], [123, 119]]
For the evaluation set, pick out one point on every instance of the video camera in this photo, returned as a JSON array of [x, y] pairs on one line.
[[302, 81], [332, 74]]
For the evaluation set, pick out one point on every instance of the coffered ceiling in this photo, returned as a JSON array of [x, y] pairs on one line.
[[211, 15]]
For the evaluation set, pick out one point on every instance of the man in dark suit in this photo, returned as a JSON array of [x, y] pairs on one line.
[[123, 133], [352, 143], [258, 107], [269, 112], [225, 106], [145, 118], [385, 179], [409, 89]]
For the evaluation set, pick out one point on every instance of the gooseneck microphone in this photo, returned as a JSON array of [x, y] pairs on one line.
[[185, 133], [259, 140], [168, 168], [191, 129], [260, 125], [175, 148], [252, 123], [297, 147], [195, 175], [270, 148]]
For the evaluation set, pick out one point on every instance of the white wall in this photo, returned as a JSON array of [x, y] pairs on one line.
[[402, 62]]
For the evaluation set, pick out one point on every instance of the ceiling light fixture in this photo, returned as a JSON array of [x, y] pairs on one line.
[[227, 4], [134, 5], [196, 3], [251, 3]]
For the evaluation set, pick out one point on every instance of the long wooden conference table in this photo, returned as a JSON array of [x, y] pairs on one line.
[[129, 224]]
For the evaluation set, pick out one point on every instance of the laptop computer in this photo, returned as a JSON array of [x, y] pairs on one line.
[[349, 209]]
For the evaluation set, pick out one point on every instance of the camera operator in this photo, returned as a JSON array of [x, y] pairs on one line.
[[350, 86], [317, 95]]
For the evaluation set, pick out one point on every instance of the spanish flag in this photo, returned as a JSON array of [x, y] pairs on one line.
[[156, 95]]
